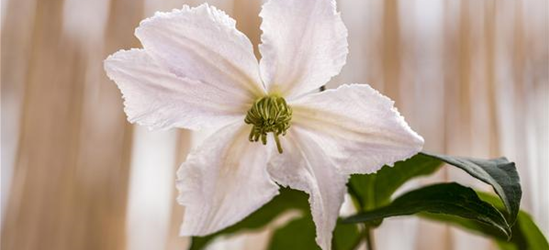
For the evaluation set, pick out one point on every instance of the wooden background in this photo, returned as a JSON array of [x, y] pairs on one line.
[[471, 76]]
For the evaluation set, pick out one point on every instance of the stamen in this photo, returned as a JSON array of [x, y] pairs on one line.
[[270, 114]]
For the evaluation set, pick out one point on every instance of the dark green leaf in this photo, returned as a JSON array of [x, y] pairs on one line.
[[374, 190], [286, 200], [517, 241], [501, 174], [448, 198], [526, 234], [470, 225]]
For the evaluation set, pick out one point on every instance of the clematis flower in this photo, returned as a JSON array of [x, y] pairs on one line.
[[273, 127]]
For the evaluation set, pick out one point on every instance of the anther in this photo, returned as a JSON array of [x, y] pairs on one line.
[[270, 114]]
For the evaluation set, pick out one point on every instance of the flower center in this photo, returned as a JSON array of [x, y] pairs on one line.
[[269, 114]]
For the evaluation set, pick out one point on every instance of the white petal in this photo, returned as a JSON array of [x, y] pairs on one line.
[[358, 126], [223, 181], [304, 44], [159, 99], [202, 44], [305, 166]]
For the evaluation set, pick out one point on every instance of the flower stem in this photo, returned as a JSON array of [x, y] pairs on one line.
[[369, 238]]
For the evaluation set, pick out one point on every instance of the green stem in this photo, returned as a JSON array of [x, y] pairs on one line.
[[369, 238]]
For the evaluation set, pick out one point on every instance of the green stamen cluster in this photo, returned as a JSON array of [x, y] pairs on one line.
[[269, 114]]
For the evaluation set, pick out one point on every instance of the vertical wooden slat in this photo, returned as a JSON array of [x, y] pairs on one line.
[[373, 40], [490, 47], [520, 109], [16, 46], [537, 38], [246, 14], [106, 141], [390, 47], [174, 241], [458, 105], [460, 135]]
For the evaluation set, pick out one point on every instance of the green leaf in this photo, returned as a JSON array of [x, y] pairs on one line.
[[300, 234], [374, 190], [533, 236], [287, 199], [470, 225], [297, 234], [501, 174], [346, 236], [447, 198], [526, 234]]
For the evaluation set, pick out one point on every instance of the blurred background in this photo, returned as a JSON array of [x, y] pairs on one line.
[[471, 76]]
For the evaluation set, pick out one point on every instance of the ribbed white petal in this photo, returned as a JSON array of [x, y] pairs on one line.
[[203, 44], [359, 127], [159, 99], [304, 44], [223, 181], [305, 166]]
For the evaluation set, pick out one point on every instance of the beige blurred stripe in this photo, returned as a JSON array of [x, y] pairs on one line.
[[174, 241], [48, 139], [70, 181], [246, 14], [390, 49], [490, 48], [16, 47]]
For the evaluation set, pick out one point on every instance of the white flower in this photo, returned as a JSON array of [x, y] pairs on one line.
[[197, 71]]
